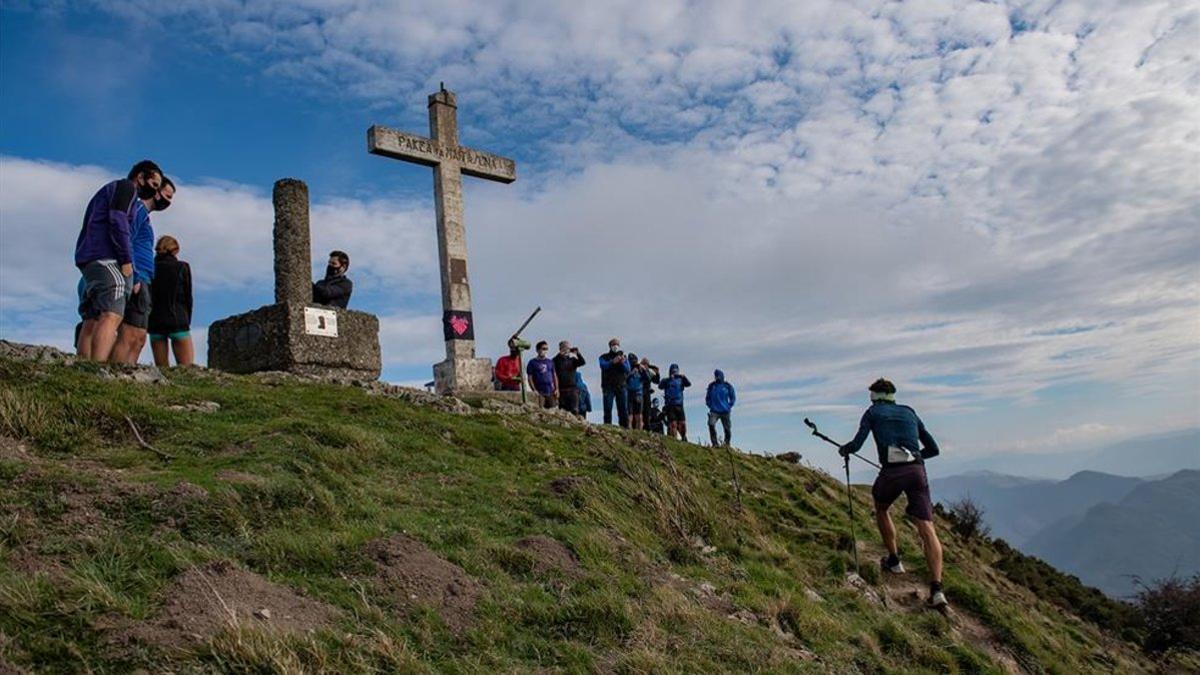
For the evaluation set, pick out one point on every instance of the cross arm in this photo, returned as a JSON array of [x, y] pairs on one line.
[[420, 150]]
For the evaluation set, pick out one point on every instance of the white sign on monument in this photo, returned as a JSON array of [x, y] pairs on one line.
[[320, 322]]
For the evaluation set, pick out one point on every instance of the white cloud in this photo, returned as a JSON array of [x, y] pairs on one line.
[[784, 189]]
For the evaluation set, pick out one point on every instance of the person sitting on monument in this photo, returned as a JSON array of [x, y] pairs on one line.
[[507, 373], [131, 336], [170, 322], [542, 376], [336, 287], [104, 256]]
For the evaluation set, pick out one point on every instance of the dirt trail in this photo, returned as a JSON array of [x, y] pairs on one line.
[[908, 593]]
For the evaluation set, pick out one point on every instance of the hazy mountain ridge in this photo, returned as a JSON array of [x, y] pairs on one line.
[[1152, 533], [1019, 508]]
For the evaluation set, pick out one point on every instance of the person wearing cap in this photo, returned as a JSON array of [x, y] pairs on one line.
[[672, 388], [903, 444], [719, 398], [613, 369]]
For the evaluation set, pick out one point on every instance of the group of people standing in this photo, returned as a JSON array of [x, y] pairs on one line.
[[627, 384], [132, 286]]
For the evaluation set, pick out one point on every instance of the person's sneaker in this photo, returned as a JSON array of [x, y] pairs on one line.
[[938, 600], [891, 563]]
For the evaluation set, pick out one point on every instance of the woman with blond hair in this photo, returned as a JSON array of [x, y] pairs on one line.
[[171, 309]]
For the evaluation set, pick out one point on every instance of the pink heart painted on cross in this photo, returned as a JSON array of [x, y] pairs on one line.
[[458, 324]]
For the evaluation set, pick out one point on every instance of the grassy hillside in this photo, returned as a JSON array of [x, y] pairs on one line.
[[299, 526]]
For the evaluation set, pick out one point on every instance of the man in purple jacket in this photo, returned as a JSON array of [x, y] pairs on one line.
[[104, 255]]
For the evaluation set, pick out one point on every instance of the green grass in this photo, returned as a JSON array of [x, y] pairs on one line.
[[318, 471]]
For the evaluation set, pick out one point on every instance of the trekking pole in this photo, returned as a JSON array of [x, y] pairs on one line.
[[850, 506], [829, 440], [849, 495]]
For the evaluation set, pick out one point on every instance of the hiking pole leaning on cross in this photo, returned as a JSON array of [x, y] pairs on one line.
[[903, 445]]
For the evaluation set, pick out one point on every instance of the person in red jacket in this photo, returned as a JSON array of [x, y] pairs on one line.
[[508, 370]]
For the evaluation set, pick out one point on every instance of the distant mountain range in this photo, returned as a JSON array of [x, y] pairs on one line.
[[1103, 528], [1144, 456], [1154, 532], [1019, 508]]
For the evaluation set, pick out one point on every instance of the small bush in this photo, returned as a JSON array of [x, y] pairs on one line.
[[1170, 612], [966, 518]]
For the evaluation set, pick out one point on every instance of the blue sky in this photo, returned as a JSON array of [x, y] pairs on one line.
[[994, 204]]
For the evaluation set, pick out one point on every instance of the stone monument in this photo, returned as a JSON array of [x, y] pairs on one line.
[[294, 334], [461, 371]]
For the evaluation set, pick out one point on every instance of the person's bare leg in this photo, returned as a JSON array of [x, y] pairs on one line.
[[105, 336], [933, 549], [84, 348], [185, 351], [130, 341], [683, 431], [887, 529], [162, 354]]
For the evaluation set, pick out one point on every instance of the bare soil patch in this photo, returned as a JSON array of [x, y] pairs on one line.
[[207, 599], [550, 555], [565, 485], [410, 575]]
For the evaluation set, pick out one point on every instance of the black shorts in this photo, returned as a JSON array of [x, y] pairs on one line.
[[907, 479], [635, 403], [137, 310], [674, 413]]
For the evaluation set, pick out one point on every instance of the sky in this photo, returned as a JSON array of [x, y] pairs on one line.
[[994, 204]]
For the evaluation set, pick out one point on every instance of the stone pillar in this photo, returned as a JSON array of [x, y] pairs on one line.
[[293, 248]]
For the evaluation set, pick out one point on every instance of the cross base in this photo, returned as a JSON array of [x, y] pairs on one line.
[[462, 375]]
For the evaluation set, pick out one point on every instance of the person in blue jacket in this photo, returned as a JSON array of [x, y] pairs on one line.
[[585, 396], [104, 256], [635, 385], [131, 337], [902, 444], [672, 388], [719, 398]]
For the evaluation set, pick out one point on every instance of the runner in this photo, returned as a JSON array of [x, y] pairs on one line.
[[903, 445]]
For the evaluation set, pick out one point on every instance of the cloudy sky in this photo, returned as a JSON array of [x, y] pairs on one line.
[[996, 205]]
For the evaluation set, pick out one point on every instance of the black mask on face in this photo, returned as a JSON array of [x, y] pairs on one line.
[[146, 191], [331, 271], [161, 204]]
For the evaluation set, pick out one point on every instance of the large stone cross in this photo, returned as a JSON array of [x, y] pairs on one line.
[[461, 371]]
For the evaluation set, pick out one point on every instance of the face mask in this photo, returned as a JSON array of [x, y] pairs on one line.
[[330, 271], [146, 191], [161, 204], [614, 349]]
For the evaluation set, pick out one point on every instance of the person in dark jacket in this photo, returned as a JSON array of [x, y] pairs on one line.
[[170, 322], [654, 418], [613, 369], [567, 363], [719, 398], [336, 287], [673, 388], [652, 378], [104, 256], [131, 337], [903, 444]]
